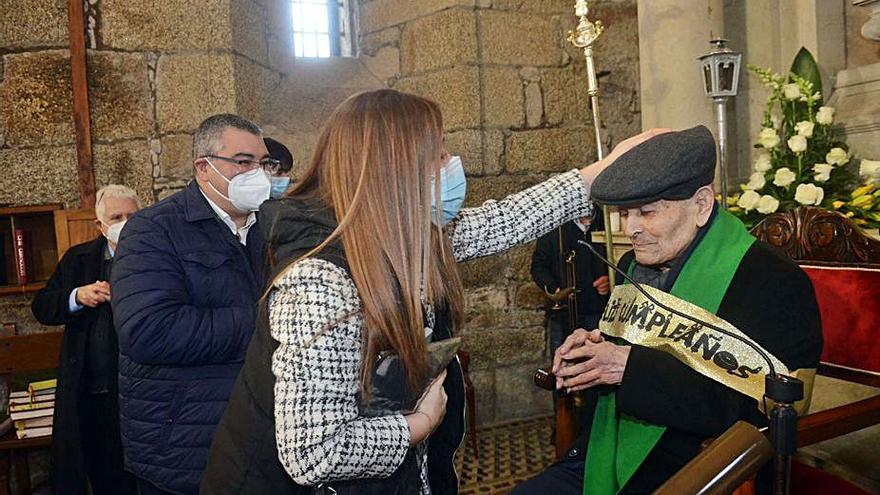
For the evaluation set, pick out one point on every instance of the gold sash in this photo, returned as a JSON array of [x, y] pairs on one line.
[[631, 316]]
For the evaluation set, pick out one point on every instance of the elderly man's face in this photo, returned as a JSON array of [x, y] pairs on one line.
[[662, 230]]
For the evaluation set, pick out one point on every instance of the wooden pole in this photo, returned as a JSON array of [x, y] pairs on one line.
[[76, 27]]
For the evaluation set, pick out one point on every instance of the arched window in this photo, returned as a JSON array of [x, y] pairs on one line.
[[322, 28]]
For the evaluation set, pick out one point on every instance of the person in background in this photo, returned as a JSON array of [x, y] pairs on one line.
[[279, 175], [185, 288], [86, 446], [549, 271]]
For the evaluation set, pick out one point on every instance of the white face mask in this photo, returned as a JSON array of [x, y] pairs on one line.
[[113, 232], [247, 191]]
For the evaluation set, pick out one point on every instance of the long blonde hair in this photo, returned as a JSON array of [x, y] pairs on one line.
[[374, 166]]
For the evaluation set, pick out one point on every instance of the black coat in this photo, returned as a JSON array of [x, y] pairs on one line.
[[81, 265], [771, 300], [548, 270]]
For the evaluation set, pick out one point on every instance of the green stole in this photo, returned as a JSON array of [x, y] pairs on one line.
[[619, 443]]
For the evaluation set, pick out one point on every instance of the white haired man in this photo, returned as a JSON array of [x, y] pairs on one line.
[[86, 445]]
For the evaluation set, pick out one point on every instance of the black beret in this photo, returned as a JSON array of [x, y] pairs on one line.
[[279, 152], [671, 166]]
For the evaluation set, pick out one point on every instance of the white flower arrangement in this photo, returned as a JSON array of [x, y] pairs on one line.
[[813, 166]]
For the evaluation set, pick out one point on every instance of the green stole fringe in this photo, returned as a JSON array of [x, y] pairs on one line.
[[619, 443]]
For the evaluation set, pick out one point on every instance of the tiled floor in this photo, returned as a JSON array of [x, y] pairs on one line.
[[508, 454]]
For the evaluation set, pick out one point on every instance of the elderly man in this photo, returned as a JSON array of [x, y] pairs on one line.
[[649, 411], [185, 287], [86, 448]]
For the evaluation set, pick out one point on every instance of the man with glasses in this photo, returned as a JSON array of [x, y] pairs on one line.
[[185, 285]]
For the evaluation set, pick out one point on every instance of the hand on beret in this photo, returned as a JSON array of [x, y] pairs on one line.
[[590, 172]]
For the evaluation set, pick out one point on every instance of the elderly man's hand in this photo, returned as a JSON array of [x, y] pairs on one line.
[[575, 340], [93, 295], [585, 360], [602, 285]]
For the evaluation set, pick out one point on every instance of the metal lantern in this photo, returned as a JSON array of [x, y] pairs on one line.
[[720, 69]]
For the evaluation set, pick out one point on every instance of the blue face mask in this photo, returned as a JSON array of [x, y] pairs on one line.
[[279, 186], [453, 186]]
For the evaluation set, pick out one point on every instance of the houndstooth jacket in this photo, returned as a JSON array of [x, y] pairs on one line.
[[319, 433]]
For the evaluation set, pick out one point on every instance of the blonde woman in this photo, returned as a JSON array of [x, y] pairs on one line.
[[365, 250]]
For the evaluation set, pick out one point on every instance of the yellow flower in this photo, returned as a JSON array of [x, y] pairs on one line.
[[863, 201], [837, 204], [866, 189]]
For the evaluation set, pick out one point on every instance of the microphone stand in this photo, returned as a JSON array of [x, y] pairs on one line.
[[783, 390]]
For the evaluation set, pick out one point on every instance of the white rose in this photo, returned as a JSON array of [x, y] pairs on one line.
[[768, 204], [809, 194], [768, 138], [756, 182], [762, 162], [748, 200], [837, 156], [825, 115], [823, 172], [784, 177], [870, 169], [791, 91], [797, 143], [805, 128]]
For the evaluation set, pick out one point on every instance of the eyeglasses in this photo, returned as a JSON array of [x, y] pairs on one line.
[[270, 165]]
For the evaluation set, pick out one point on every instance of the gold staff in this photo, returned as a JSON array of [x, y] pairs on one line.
[[584, 36]]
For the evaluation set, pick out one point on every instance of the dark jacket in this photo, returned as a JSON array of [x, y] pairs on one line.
[[184, 302], [244, 456], [771, 300], [81, 265], [549, 271]]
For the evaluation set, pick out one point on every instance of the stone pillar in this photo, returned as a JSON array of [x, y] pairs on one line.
[[770, 34], [672, 35]]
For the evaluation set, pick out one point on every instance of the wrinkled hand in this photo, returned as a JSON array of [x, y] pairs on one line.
[[590, 172], [94, 294], [429, 412], [591, 364], [561, 295], [575, 340], [602, 285]]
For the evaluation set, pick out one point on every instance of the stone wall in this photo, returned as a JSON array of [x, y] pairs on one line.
[[155, 70], [512, 91]]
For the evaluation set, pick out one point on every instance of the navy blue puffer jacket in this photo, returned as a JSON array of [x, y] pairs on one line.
[[184, 294]]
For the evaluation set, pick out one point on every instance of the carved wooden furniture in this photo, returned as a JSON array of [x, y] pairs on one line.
[[24, 354], [844, 266]]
